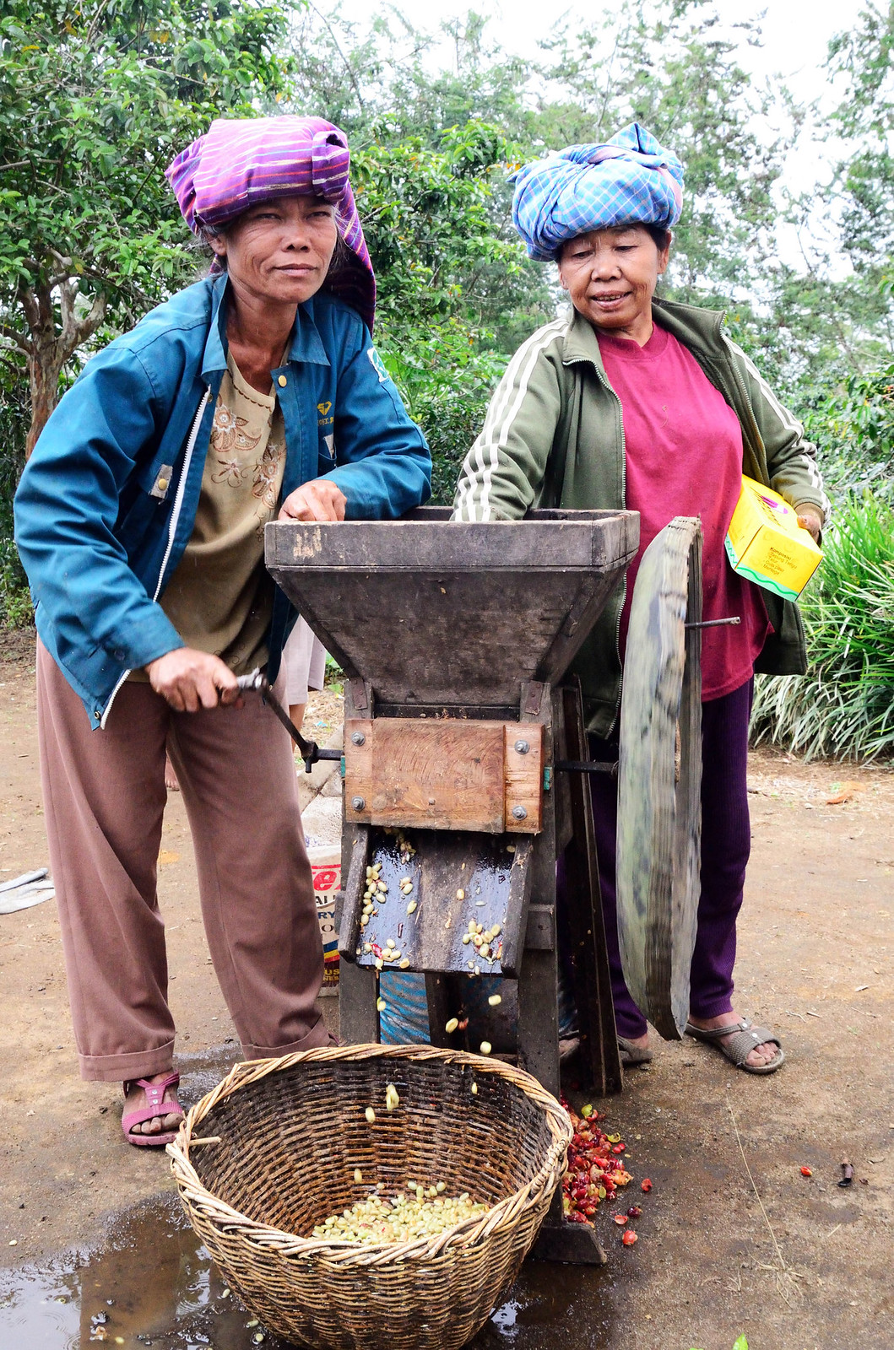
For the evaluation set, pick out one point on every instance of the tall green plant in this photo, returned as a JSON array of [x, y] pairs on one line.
[[843, 707]]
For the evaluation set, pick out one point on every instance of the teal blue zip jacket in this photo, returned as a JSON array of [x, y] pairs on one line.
[[107, 501]]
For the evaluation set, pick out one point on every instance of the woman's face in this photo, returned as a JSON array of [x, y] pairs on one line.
[[611, 275], [279, 252]]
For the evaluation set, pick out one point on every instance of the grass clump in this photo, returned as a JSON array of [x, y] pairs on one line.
[[843, 707]]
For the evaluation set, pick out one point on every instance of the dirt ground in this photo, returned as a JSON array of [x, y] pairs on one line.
[[733, 1239]]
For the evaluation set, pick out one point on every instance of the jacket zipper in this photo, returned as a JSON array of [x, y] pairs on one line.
[[172, 530], [618, 621]]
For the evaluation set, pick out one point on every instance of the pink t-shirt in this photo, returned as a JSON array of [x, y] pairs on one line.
[[684, 457]]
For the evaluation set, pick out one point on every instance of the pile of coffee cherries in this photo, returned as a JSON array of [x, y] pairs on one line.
[[595, 1172]]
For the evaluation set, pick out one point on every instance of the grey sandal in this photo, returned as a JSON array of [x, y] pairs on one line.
[[742, 1042], [632, 1054]]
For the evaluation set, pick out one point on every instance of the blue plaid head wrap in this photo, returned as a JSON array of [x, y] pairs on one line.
[[629, 180]]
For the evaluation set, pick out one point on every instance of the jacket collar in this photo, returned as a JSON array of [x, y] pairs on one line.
[[696, 328], [580, 342], [307, 344]]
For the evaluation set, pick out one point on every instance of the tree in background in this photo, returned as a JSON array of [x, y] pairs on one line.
[[862, 180], [94, 103], [426, 215]]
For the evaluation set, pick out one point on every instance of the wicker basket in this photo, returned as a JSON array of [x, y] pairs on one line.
[[291, 1133]]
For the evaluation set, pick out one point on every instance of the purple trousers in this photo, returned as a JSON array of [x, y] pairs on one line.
[[726, 841]]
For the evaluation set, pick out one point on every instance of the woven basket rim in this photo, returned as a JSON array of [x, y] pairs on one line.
[[467, 1232]]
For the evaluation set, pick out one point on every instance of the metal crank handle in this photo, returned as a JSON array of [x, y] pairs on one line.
[[309, 750]]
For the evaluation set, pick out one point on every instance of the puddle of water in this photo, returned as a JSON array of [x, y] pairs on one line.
[[153, 1284]]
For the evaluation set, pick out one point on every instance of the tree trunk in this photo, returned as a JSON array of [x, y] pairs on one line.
[[51, 342], [44, 369]]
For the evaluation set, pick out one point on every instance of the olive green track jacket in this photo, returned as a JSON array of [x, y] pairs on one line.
[[553, 437]]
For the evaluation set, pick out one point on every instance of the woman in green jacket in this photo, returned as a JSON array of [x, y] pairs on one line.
[[635, 403]]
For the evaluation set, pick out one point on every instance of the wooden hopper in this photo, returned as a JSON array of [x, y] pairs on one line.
[[432, 612]]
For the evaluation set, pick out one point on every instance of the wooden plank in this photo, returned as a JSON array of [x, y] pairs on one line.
[[524, 777], [538, 1035], [516, 925], [423, 542], [358, 1017], [559, 782], [540, 930], [688, 788], [445, 774], [441, 775], [352, 903], [575, 1244], [358, 784], [583, 917], [537, 991], [657, 862]]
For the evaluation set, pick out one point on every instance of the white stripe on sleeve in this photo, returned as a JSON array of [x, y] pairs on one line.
[[484, 456]]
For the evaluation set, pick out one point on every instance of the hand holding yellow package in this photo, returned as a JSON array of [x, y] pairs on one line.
[[766, 543]]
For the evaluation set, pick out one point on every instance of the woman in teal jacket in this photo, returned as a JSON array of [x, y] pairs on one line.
[[254, 395]]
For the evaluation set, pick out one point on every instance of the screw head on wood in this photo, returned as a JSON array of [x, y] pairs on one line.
[[521, 747], [357, 738], [358, 803], [519, 813]]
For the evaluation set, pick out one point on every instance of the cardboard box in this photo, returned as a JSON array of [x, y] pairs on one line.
[[326, 870], [766, 543]]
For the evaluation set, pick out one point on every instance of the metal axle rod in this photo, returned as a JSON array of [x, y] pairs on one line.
[[714, 623], [587, 766], [309, 750]]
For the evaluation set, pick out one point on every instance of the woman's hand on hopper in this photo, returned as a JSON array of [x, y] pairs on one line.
[[190, 680], [320, 499], [811, 520]]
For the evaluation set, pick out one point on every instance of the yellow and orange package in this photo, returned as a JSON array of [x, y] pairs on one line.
[[766, 543]]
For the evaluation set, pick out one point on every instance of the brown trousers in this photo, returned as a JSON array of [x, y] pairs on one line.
[[104, 795]]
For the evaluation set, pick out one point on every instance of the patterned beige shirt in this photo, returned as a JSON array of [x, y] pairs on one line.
[[220, 596]]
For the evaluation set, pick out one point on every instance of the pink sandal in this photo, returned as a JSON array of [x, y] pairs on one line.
[[155, 1093]]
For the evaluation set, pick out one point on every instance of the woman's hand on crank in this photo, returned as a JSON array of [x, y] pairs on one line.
[[811, 520], [319, 499], [190, 680]]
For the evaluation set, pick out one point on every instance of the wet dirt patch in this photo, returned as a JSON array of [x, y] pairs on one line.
[[151, 1283]]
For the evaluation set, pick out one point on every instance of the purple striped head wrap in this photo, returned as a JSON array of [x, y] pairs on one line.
[[240, 162]]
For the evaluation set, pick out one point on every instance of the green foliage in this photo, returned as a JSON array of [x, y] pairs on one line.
[[667, 66], [95, 100], [853, 431], [426, 220], [15, 600], [446, 386], [739, 1344], [863, 56], [840, 303], [431, 240], [843, 707], [333, 675]]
